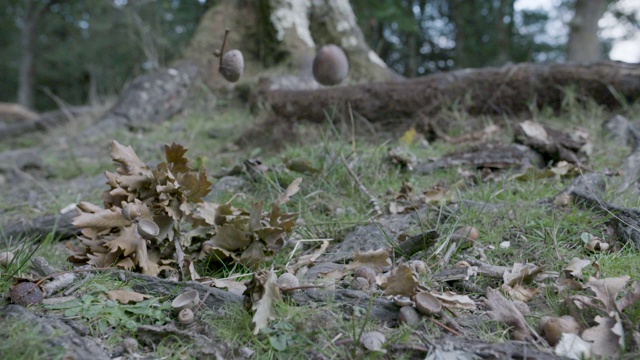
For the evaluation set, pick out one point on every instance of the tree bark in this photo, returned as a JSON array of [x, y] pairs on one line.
[[508, 89], [26, 74], [583, 45]]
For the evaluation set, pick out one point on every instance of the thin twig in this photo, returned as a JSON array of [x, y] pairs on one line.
[[300, 287], [446, 327]]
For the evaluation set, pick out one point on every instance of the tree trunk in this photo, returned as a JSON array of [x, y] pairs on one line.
[[281, 36], [26, 75], [504, 25], [508, 89], [583, 45]]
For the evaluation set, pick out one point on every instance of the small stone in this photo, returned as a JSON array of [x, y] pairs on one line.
[[409, 316], [26, 293], [360, 283], [130, 345], [373, 341], [288, 280]]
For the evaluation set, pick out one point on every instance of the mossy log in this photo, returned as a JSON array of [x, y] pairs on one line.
[[505, 90]]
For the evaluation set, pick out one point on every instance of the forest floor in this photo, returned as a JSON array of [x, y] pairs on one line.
[[491, 242]]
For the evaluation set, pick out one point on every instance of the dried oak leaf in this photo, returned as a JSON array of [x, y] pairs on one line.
[[101, 220], [516, 276], [128, 241], [197, 185], [229, 238], [575, 266], [573, 347], [608, 289], [451, 300], [630, 298], [375, 259], [263, 293], [206, 212], [504, 311], [255, 216], [125, 296], [232, 286], [174, 154], [129, 161], [291, 190], [401, 282], [607, 336], [252, 255], [101, 260]]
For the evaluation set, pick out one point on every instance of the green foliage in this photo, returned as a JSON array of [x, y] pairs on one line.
[[103, 314], [418, 37], [101, 41]]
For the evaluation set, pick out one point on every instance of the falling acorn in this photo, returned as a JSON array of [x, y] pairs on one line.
[[330, 66], [231, 62]]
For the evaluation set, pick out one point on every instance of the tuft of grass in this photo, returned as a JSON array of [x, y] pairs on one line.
[[21, 340]]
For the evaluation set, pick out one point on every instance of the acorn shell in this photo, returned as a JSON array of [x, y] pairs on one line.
[[232, 65], [330, 66]]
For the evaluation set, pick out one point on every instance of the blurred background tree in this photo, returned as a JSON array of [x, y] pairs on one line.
[[85, 50], [81, 49]]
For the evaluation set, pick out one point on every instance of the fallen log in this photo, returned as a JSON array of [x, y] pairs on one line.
[[505, 90], [60, 226], [43, 122]]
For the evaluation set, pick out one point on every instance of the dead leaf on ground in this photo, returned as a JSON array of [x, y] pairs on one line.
[[232, 286], [504, 311], [375, 259], [597, 245], [630, 298], [291, 190], [534, 130], [607, 289], [262, 293], [403, 157], [438, 195], [516, 276], [573, 347], [124, 296], [451, 300], [607, 336], [575, 266], [552, 327], [401, 282]]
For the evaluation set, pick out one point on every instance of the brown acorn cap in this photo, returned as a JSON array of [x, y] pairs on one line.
[[330, 66]]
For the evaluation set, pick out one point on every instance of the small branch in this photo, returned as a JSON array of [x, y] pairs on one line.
[[445, 327], [286, 289]]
